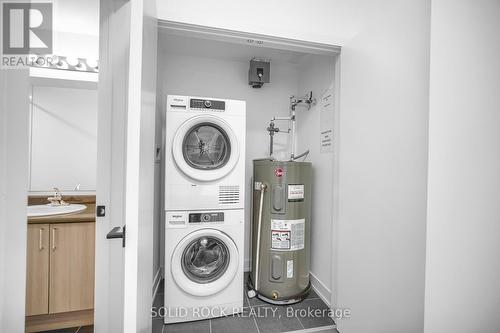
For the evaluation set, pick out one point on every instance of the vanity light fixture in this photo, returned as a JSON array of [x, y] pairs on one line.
[[69, 63]]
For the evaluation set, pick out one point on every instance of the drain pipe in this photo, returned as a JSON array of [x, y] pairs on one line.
[[253, 293]]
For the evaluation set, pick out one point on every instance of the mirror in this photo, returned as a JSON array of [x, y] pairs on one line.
[[63, 145]]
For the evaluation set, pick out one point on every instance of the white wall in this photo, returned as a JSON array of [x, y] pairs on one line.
[[63, 138], [383, 147], [76, 28], [14, 120], [463, 229], [317, 74], [224, 78]]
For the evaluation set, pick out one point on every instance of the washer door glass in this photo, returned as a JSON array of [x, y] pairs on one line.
[[206, 146], [205, 259]]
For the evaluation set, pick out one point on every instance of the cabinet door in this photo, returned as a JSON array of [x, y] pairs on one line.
[[71, 267], [37, 270]]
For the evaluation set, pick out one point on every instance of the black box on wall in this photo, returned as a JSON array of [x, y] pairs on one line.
[[259, 73]]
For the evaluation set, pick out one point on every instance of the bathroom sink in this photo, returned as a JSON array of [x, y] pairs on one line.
[[45, 210]]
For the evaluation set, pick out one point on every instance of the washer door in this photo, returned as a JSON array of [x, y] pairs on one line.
[[205, 148], [204, 262]]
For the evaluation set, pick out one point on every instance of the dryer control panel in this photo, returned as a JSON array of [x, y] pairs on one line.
[[207, 104], [185, 219], [206, 217]]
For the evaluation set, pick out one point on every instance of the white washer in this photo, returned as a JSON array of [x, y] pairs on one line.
[[203, 264], [205, 153]]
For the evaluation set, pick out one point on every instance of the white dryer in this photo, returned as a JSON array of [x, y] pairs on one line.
[[203, 264], [205, 153]]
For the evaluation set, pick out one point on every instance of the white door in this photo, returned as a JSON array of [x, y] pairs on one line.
[[125, 171]]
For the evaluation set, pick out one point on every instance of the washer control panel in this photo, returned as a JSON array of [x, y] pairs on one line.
[[207, 104], [206, 217]]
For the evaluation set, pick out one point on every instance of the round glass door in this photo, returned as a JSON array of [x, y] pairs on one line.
[[205, 259], [206, 146], [204, 262]]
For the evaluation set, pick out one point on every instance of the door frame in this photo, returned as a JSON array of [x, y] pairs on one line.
[[14, 170], [15, 175], [259, 40]]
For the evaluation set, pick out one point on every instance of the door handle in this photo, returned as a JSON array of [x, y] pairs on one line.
[[40, 239], [54, 239], [116, 233]]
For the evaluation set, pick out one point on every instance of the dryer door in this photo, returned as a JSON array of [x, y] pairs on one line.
[[204, 262], [205, 148]]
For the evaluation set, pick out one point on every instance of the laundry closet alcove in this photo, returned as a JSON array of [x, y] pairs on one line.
[[214, 63]]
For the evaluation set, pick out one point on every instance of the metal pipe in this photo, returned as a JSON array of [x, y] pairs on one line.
[[292, 119], [307, 101], [301, 155], [281, 118], [271, 144], [263, 188], [272, 129]]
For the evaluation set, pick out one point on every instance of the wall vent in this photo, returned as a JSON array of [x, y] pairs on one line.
[[229, 195]]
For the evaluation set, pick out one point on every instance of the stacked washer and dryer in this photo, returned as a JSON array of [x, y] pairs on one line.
[[204, 204]]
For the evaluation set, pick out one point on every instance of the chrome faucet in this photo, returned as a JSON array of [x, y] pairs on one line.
[[57, 199]]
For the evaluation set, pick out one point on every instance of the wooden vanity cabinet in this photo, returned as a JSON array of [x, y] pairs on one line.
[[71, 282], [37, 272], [60, 272]]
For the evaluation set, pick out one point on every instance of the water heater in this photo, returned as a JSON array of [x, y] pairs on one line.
[[281, 231]]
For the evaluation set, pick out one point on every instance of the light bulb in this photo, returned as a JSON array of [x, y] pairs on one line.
[[92, 63], [57, 61], [72, 61]]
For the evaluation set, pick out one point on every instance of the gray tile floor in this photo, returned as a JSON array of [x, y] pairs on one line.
[[258, 317]]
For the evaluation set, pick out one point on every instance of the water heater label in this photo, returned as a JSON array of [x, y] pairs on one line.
[[288, 234], [296, 192]]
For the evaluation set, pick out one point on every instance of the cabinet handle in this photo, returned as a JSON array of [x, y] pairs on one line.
[[53, 239], [40, 239]]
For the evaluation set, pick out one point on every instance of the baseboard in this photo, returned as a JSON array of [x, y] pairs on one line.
[[156, 283], [319, 287], [58, 321]]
